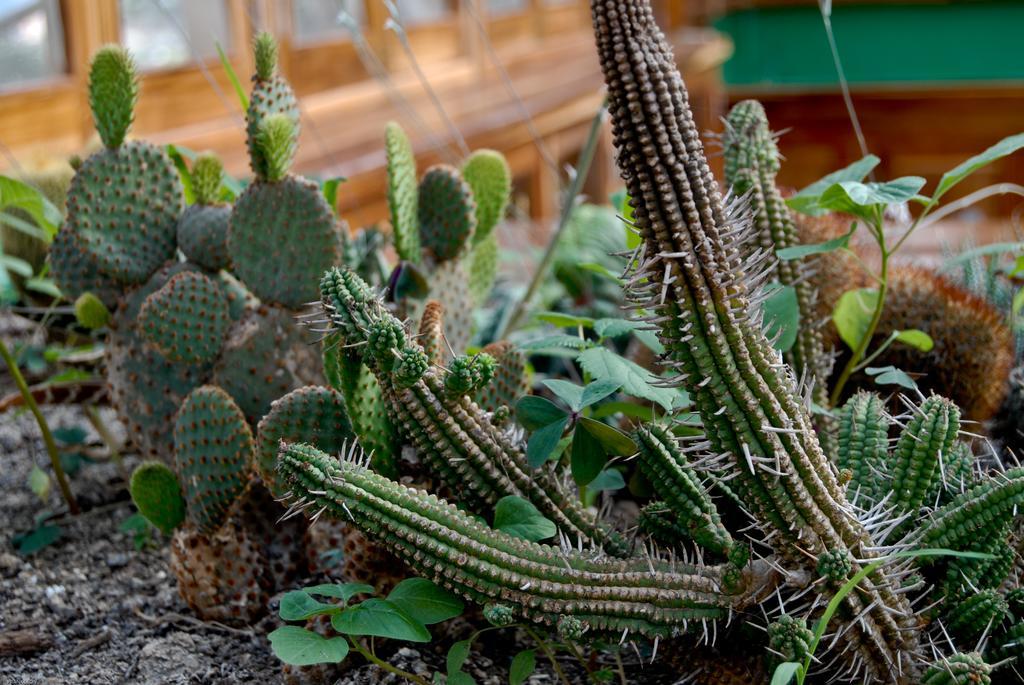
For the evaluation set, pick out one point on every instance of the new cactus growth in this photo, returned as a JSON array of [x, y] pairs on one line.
[[157, 494], [203, 227], [510, 381], [271, 95], [402, 193]]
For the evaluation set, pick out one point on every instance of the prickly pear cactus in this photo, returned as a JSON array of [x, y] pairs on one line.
[[271, 95], [186, 319], [402, 193], [203, 226], [511, 379]]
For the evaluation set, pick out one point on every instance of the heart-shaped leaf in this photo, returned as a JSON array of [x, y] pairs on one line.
[[806, 201], [536, 412], [342, 591], [424, 601], [782, 317], [517, 516], [380, 618], [301, 647], [297, 605], [916, 339], [852, 315], [543, 442], [570, 393]]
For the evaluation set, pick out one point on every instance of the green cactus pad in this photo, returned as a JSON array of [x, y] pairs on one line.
[[483, 268], [312, 414], [90, 311], [186, 319], [203, 235], [266, 355], [271, 95], [113, 90], [277, 141], [156, 492], [488, 175], [511, 380], [402, 193], [283, 236], [450, 286], [213, 454], [146, 388], [447, 213], [959, 669], [75, 272], [123, 207]]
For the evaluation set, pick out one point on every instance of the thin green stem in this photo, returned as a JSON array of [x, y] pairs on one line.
[[620, 668], [544, 647], [874, 355], [44, 428], [568, 207], [380, 663]]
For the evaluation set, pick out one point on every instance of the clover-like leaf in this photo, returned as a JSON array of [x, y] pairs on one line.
[[517, 516]]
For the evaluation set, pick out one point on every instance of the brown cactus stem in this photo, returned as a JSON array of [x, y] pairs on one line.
[[688, 271]]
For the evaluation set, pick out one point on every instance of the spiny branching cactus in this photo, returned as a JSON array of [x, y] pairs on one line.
[[433, 412], [751, 164]]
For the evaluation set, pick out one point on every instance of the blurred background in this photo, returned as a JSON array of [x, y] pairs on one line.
[[932, 82]]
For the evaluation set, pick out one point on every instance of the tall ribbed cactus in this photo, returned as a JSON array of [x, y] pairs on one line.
[[751, 164], [477, 461], [689, 272]]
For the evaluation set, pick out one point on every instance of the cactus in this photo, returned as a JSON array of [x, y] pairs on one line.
[[1008, 425], [431, 333], [213, 452], [959, 669], [690, 276], [928, 436], [186, 319], [75, 273], [157, 495], [511, 380], [863, 447], [447, 213], [311, 413], [976, 614], [977, 514], [490, 179], [271, 95], [203, 226], [90, 311], [789, 639], [659, 522], [530, 580], [751, 164], [402, 193], [475, 459], [1007, 645]]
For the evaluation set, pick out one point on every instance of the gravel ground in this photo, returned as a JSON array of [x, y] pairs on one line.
[[94, 609]]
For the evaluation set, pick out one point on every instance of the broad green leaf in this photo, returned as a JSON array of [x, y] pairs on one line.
[[597, 391], [1004, 147], [630, 409], [536, 412], [570, 393], [866, 199], [806, 201], [852, 315], [523, 665], [342, 591], [380, 618], [517, 516], [300, 647], [424, 601], [801, 251], [587, 456], [650, 340], [916, 339], [601, 363], [565, 320], [613, 328], [612, 439], [782, 317], [890, 375], [600, 269], [39, 483], [559, 345], [17, 195], [543, 442], [36, 539], [785, 672], [297, 605], [608, 479], [461, 678], [457, 655]]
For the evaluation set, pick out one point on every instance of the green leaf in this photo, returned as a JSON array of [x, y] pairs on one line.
[[537, 412], [600, 270], [806, 201], [597, 391], [630, 409], [561, 340], [609, 479], [517, 516], [457, 655], [16, 265], [39, 483], [424, 601], [602, 363], [650, 340], [297, 605], [243, 99], [570, 393], [543, 442], [614, 328], [36, 539], [461, 678], [785, 672], [380, 618], [301, 647], [587, 456], [523, 665], [342, 591], [852, 315], [17, 195], [184, 173], [45, 286], [612, 439], [565, 320], [330, 191], [782, 317], [1004, 147], [801, 251], [1018, 302], [866, 199], [621, 203], [890, 375], [916, 339]]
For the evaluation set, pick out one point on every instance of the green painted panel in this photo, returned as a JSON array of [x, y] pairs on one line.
[[915, 43]]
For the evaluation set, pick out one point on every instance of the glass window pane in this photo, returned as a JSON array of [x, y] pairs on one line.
[[31, 41], [414, 12], [162, 34], [321, 20], [499, 8]]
